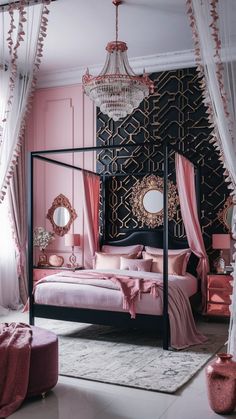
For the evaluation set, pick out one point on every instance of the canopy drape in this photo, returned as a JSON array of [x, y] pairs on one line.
[[188, 203], [91, 192]]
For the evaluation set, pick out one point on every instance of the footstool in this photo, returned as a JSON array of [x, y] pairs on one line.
[[43, 373]]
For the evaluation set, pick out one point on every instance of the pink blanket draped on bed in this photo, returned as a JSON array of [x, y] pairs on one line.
[[182, 325], [15, 349]]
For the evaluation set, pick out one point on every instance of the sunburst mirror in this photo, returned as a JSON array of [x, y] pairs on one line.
[[147, 201]]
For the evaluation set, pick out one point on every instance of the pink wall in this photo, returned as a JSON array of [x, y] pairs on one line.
[[62, 117]]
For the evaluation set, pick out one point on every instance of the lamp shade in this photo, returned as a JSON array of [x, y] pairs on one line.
[[72, 240], [220, 241]]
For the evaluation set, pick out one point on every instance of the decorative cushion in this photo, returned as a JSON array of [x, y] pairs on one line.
[[136, 264], [122, 249], [109, 261], [158, 251], [43, 373], [175, 263]]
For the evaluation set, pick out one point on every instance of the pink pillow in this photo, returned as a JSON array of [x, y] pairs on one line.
[[175, 263], [106, 261], [136, 264], [124, 250], [158, 251]]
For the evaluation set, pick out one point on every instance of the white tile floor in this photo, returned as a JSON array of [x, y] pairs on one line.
[[82, 399]]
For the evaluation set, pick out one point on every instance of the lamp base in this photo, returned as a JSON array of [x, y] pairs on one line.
[[220, 264], [72, 260]]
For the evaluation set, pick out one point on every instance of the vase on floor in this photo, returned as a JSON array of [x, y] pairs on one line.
[[221, 383]]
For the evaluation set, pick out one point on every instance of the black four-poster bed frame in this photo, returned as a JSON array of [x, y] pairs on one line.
[[148, 238]]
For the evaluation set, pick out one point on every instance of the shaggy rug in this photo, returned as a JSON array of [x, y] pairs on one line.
[[129, 358]]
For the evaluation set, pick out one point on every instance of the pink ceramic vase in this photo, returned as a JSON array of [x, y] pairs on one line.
[[221, 383]]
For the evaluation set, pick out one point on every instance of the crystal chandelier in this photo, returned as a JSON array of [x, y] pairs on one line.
[[117, 91]]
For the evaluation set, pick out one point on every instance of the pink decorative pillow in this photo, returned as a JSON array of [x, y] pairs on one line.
[[175, 263], [158, 251], [136, 264], [124, 250], [107, 261]]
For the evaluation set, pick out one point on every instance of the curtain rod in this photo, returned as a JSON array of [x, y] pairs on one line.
[[15, 3]]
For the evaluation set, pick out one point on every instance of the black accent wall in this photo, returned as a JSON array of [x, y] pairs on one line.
[[176, 113]]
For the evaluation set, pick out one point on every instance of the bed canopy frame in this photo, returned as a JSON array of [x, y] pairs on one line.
[[149, 237]]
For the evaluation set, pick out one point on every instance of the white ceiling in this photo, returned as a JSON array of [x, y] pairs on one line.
[[78, 31]]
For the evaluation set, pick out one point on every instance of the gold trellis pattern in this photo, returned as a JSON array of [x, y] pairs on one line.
[[175, 113]]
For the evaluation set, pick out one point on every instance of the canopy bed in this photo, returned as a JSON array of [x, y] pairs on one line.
[[162, 285]]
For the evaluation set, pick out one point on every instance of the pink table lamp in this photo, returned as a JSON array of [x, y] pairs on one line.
[[72, 240], [220, 241]]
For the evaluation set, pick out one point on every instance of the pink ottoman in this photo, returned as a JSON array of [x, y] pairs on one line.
[[43, 374]]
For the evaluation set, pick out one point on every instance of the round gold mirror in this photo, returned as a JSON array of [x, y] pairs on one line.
[[147, 201], [61, 215]]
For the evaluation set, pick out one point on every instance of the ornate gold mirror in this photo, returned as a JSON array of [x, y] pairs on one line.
[[61, 215], [147, 201], [225, 215]]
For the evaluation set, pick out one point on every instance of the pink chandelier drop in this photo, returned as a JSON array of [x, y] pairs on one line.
[[117, 90]]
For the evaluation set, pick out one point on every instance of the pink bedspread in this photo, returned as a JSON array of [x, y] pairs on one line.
[[182, 325], [15, 349]]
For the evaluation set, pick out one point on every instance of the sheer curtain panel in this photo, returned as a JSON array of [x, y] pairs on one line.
[[22, 33], [9, 287], [213, 24]]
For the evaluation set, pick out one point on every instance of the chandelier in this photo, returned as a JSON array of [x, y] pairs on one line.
[[117, 91]]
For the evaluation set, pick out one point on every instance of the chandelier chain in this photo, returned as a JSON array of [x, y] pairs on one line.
[[117, 22]]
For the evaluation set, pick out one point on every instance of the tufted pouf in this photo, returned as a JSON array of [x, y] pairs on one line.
[[43, 374]]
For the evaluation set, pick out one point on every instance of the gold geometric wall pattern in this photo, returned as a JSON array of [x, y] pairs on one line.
[[175, 113]]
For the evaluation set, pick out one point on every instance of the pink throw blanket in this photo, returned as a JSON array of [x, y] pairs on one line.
[[15, 349], [182, 325]]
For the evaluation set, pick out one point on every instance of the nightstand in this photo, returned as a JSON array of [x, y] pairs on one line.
[[219, 290]]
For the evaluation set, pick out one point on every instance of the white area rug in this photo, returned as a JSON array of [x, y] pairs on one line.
[[128, 357]]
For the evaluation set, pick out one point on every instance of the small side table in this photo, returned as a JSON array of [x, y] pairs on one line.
[[219, 290]]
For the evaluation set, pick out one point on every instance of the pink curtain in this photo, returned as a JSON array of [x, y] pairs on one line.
[[186, 187], [91, 189]]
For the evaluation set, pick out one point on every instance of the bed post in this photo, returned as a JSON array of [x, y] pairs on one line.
[[104, 233], [166, 328], [30, 235]]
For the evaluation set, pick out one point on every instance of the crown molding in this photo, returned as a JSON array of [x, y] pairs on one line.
[[151, 64]]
